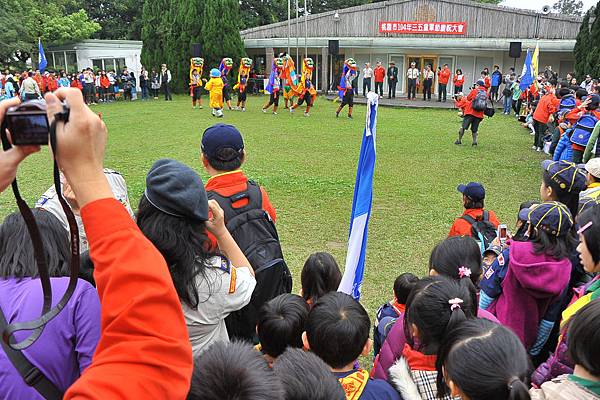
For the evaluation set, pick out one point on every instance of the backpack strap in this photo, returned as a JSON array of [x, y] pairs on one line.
[[485, 216], [252, 193], [31, 374], [469, 219]]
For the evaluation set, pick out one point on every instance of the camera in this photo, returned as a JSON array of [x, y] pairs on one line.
[[28, 123]]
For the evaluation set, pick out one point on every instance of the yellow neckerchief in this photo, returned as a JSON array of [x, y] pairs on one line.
[[593, 185], [224, 173], [354, 384]]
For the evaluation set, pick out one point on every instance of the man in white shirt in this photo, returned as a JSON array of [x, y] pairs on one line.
[[412, 75], [367, 77], [29, 88], [165, 80]]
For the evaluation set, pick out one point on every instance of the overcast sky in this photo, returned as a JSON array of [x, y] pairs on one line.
[[538, 4]]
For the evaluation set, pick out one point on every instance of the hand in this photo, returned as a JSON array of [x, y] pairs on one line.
[[69, 196], [81, 143], [216, 222], [10, 160]]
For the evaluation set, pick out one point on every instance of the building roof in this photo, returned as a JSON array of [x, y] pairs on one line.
[[483, 21], [99, 44]]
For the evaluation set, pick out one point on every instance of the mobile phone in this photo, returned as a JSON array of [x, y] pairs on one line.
[[502, 233], [28, 123]]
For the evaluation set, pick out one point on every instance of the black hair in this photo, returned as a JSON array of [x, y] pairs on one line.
[[568, 198], [458, 69], [472, 204], [456, 252], [86, 268], [17, 259], [305, 376], [522, 232], [583, 339], [233, 371], [226, 159], [337, 329], [320, 275], [403, 285], [487, 361], [580, 93], [182, 242], [429, 308], [563, 91], [30, 74], [557, 247], [591, 234], [281, 323]]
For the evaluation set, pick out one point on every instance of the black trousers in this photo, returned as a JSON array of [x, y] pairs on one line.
[[540, 132], [427, 83], [167, 91], [412, 88], [379, 88], [392, 88], [458, 89], [442, 91], [517, 106], [366, 86]]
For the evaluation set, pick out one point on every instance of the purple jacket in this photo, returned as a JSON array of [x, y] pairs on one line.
[[65, 348], [394, 344], [532, 283]]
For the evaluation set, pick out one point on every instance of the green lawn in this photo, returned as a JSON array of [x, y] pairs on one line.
[[308, 167]]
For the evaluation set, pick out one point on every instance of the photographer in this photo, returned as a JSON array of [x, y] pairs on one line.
[[143, 350]]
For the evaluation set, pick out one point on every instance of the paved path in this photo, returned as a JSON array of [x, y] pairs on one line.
[[403, 102]]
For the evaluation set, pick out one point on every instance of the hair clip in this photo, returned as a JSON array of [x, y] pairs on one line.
[[585, 227], [455, 303], [464, 271], [512, 382]]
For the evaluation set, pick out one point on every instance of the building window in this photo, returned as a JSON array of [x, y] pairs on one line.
[[71, 62], [97, 64], [120, 63], [109, 64], [59, 61]]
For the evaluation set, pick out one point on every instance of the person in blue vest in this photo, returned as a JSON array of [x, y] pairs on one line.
[[496, 81]]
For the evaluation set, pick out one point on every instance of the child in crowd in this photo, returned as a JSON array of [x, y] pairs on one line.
[[281, 324], [481, 360], [389, 312], [592, 167], [320, 275], [524, 287], [233, 371], [584, 349], [583, 119], [305, 376], [337, 331], [435, 307], [215, 88], [562, 181]]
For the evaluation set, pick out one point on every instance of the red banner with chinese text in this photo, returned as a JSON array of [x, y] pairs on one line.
[[416, 27]]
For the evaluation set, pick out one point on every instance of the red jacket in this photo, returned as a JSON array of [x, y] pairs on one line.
[[468, 110], [379, 73], [462, 227], [104, 82], [547, 106], [51, 84], [462, 103], [458, 82], [488, 82], [444, 76], [144, 349], [76, 83]]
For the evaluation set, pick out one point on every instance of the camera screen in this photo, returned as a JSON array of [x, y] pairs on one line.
[[28, 129], [503, 232]]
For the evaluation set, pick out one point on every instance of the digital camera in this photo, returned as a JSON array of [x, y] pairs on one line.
[[28, 123]]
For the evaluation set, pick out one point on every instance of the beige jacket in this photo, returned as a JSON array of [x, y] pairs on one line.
[[561, 389]]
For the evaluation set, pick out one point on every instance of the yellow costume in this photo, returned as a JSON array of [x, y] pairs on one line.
[[215, 87]]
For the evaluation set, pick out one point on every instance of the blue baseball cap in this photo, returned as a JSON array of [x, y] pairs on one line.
[[215, 73], [566, 174], [219, 137], [480, 82], [473, 190], [550, 216]]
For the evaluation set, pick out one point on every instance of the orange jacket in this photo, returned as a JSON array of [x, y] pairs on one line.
[[462, 103], [458, 82], [144, 351], [487, 81], [462, 227], [51, 84], [379, 73], [444, 76], [104, 82], [468, 110], [547, 106]]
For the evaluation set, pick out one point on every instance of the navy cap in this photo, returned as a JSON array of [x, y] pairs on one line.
[[176, 189], [566, 174], [551, 216], [480, 82], [594, 99], [585, 203], [221, 136], [473, 190]]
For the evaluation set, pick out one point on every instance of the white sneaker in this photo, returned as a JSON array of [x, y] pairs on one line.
[[291, 110], [243, 109], [533, 147], [539, 149], [263, 110], [306, 114], [214, 112], [274, 112]]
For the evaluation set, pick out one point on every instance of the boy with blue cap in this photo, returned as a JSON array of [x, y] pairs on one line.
[[215, 87], [473, 202]]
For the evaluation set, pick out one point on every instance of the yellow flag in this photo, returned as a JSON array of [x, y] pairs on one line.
[[535, 60]]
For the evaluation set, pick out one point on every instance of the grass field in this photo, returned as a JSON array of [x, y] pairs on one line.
[[308, 167]]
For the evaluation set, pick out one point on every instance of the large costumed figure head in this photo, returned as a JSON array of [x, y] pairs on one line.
[[196, 65], [305, 84], [225, 66], [348, 71], [288, 74], [276, 69], [243, 73]]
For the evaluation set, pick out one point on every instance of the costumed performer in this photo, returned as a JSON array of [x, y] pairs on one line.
[[224, 68], [196, 69], [242, 83], [215, 87], [274, 85], [345, 92], [305, 91], [289, 80]]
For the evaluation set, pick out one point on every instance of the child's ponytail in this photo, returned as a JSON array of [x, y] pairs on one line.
[[457, 315], [517, 390]]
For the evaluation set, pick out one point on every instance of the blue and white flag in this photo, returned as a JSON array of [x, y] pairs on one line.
[[42, 62], [527, 75], [361, 205]]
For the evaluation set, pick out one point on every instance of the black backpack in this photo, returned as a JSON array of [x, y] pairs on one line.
[[479, 103], [482, 230], [254, 232]]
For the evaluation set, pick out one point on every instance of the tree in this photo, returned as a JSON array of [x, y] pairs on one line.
[[568, 7], [119, 19], [592, 65], [221, 40], [263, 12], [582, 46]]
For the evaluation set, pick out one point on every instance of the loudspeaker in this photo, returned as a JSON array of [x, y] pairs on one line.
[[334, 47], [196, 50], [515, 50]]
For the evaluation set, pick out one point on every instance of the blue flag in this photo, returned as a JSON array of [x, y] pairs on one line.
[[42, 62], [361, 205], [527, 75]]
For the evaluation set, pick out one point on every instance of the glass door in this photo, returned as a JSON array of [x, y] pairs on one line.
[[399, 61], [421, 62]]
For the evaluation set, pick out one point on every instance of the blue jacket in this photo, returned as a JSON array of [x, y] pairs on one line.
[[563, 150], [496, 78]]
